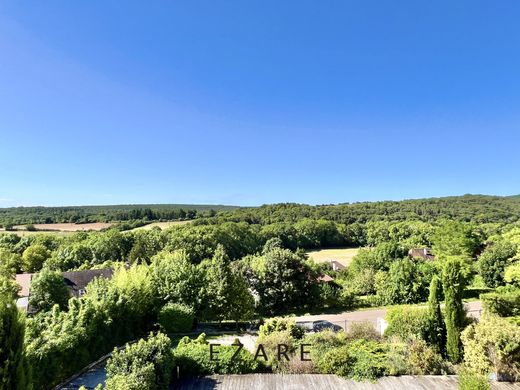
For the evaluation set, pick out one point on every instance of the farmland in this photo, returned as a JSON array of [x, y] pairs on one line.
[[161, 225], [343, 256]]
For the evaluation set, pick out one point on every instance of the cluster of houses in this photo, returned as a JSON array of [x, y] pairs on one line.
[[76, 282]]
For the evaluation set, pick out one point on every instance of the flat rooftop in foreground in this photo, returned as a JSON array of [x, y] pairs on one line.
[[324, 382]]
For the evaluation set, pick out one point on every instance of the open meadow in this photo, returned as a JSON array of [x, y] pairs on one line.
[[343, 256]]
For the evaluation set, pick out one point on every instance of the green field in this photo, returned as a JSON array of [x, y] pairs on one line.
[[341, 255]]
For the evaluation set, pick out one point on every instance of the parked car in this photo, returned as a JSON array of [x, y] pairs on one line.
[[318, 326]]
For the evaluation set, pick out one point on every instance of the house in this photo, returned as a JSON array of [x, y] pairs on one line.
[[324, 278], [76, 282], [336, 265], [421, 253]]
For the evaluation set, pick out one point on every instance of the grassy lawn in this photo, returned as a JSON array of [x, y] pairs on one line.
[[341, 255]]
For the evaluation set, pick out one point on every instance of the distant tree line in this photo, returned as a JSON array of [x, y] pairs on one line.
[[85, 214]]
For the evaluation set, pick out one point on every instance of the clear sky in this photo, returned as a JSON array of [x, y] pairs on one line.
[[252, 102]]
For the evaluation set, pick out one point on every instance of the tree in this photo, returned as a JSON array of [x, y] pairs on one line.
[[34, 257], [454, 278], [48, 289], [175, 279], [226, 293], [437, 333], [512, 274], [453, 238], [406, 282], [282, 280], [493, 262], [14, 372]]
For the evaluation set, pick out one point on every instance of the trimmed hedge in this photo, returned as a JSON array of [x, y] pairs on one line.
[[176, 318]]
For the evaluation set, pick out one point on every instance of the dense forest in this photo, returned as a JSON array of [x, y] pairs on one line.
[[85, 214], [468, 208]]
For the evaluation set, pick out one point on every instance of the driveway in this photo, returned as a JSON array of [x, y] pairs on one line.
[[349, 317]]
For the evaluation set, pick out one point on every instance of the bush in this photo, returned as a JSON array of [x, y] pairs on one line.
[[362, 330], [407, 322], [471, 381], [505, 302], [193, 358], [424, 360], [493, 345], [147, 364], [141, 377], [359, 360], [176, 318], [281, 324], [271, 341]]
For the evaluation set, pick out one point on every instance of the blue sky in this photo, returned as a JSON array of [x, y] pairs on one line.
[[252, 102]]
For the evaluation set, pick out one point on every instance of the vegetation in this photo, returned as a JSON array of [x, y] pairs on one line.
[[83, 214], [147, 364], [47, 290], [176, 318], [242, 264], [14, 373]]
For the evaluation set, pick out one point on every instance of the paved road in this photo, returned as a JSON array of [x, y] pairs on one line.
[[474, 310]]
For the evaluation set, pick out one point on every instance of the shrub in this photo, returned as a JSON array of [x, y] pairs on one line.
[[271, 341], [324, 341], [512, 274], [362, 330], [493, 345], [282, 324], [472, 381], [148, 363], [193, 358], [359, 360], [423, 359], [505, 302], [408, 322], [176, 318], [142, 377]]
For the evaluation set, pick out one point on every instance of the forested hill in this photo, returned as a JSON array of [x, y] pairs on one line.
[[475, 208], [83, 214]]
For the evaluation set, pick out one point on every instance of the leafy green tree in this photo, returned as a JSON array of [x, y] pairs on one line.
[[48, 289], [226, 292], [406, 282], [437, 333], [176, 279], [282, 280], [34, 257], [14, 372], [146, 244], [70, 257], [454, 279], [453, 238], [512, 274], [493, 262], [10, 263]]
